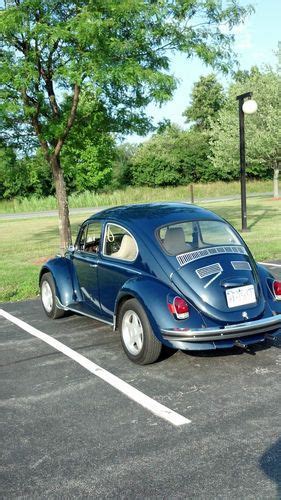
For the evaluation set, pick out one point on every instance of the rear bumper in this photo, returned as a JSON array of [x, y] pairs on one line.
[[259, 327]]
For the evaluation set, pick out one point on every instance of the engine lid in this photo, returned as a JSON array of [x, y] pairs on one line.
[[223, 285]]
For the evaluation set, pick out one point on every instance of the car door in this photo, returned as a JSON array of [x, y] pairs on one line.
[[85, 261], [118, 263]]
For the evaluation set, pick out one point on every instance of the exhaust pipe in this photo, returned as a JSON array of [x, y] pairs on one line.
[[239, 343]]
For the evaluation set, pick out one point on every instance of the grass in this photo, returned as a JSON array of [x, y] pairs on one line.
[[26, 244], [264, 223], [135, 195]]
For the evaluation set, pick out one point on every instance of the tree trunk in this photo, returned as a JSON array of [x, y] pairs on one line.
[[64, 222], [275, 182]]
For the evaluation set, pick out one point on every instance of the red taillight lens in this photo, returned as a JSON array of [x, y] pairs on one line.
[[179, 307], [277, 289]]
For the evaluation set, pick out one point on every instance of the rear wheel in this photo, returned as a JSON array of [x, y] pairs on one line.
[[48, 297], [137, 337]]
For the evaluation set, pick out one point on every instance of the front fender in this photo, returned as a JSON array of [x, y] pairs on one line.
[[63, 274], [153, 296]]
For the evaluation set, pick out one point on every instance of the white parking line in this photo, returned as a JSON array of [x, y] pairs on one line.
[[132, 393], [270, 264]]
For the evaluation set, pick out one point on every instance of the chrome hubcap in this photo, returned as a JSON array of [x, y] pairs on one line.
[[47, 296], [132, 332]]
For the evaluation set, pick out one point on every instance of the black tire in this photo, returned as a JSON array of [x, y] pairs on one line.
[[151, 347], [48, 297]]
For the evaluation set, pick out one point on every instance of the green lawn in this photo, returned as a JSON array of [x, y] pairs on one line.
[[264, 223], [26, 244]]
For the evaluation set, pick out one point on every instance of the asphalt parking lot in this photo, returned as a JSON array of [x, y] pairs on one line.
[[67, 433]]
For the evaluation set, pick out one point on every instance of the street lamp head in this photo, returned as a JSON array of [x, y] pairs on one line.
[[249, 107]]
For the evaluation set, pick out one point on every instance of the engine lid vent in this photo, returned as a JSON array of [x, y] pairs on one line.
[[241, 265]]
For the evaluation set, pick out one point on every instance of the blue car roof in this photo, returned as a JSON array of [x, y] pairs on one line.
[[156, 214]]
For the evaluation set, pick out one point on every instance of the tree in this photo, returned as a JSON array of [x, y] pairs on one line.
[[23, 177], [88, 155], [207, 98], [262, 130], [53, 49], [7, 161], [196, 150], [159, 161], [122, 165], [172, 157]]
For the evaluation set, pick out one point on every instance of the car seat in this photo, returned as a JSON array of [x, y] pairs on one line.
[[127, 250]]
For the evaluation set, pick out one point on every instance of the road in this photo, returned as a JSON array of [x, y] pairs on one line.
[[66, 433]]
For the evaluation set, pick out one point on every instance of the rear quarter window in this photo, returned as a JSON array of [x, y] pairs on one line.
[[119, 243]]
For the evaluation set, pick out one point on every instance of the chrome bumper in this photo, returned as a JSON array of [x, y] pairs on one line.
[[260, 326]]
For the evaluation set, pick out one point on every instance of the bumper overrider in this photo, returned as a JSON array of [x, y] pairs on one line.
[[261, 326]]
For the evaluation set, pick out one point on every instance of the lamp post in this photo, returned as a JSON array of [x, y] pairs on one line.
[[249, 106]]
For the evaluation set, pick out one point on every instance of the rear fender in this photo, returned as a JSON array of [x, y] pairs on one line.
[[266, 280], [62, 270], [153, 296]]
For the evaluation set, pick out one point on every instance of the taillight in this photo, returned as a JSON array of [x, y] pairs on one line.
[[277, 289], [179, 308]]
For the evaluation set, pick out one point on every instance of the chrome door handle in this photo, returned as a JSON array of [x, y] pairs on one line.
[[93, 265]]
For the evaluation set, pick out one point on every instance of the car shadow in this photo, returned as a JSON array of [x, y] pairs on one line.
[[166, 353], [233, 351], [270, 464]]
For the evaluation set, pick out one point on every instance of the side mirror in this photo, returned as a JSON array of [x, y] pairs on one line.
[[71, 248]]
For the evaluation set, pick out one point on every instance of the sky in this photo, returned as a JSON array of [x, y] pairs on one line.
[[256, 41]]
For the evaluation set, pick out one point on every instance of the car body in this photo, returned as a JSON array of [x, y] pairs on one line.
[[170, 274]]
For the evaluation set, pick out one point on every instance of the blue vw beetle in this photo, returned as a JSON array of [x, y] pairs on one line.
[[164, 273]]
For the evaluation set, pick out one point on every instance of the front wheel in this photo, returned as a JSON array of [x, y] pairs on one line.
[[137, 337], [48, 297]]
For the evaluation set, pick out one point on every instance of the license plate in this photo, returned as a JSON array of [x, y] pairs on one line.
[[240, 296]]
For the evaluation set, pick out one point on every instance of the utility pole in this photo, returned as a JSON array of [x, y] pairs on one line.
[[248, 106]]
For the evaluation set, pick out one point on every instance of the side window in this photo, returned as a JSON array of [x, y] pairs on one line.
[[119, 243], [90, 237], [81, 239]]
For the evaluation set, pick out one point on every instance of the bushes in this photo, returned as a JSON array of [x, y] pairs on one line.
[[174, 157], [24, 177]]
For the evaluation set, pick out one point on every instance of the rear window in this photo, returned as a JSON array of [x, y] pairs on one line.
[[188, 236]]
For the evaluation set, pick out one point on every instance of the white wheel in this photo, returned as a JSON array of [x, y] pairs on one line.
[[47, 296], [137, 337], [132, 332]]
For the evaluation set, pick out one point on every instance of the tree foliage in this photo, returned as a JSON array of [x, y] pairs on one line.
[[24, 177], [262, 130], [53, 49], [89, 152], [7, 161], [171, 158], [122, 165], [207, 154], [207, 98]]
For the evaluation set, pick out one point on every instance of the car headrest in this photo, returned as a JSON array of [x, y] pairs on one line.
[[174, 241]]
